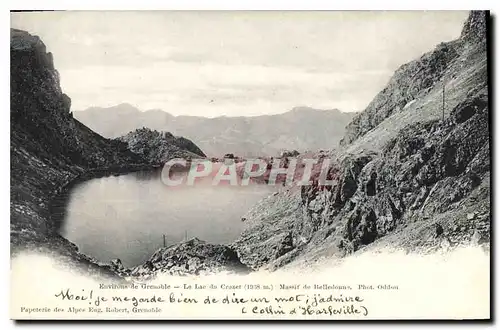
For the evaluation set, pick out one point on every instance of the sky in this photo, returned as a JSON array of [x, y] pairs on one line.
[[233, 63]]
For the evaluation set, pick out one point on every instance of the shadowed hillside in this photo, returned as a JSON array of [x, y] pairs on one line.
[[50, 150], [406, 176]]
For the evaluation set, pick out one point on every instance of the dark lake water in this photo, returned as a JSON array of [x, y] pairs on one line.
[[126, 216]]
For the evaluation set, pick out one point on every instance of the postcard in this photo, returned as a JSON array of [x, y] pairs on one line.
[[250, 165]]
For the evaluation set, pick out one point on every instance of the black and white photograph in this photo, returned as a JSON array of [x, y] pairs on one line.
[[244, 165]]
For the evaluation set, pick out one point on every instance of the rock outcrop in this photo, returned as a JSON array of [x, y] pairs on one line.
[[192, 257], [159, 147], [403, 171]]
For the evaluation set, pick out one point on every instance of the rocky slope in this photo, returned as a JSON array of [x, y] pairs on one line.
[[302, 129], [50, 150], [406, 176], [159, 147], [48, 147], [192, 257], [415, 92]]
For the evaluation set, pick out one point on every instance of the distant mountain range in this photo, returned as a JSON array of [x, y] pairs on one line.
[[301, 128]]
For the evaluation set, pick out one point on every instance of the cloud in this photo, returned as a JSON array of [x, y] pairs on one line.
[[213, 88], [233, 63]]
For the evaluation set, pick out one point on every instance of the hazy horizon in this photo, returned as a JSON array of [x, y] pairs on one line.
[[216, 116], [215, 63]]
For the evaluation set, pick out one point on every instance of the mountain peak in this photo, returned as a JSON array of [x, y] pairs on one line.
[[126, 106], [475, 27]]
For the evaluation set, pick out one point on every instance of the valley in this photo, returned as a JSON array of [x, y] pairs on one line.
[[411, 171]]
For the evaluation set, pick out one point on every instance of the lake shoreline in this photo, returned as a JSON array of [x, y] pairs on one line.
[[135, 208], [49, 241], [90, 175]]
